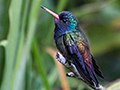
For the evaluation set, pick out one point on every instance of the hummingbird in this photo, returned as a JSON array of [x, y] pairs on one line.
[[74, 46]]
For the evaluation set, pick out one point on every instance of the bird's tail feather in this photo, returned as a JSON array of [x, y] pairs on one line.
[[89, 76], [97, 69], [92, 75], [82, 73]]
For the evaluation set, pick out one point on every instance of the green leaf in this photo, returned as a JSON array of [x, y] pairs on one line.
[[3, 43], [13, 39]]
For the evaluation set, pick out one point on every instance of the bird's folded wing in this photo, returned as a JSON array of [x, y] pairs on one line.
[[77, 59], [83, 46]]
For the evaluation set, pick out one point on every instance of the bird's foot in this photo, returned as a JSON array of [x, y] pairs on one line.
[[68, 65], [70, 74]]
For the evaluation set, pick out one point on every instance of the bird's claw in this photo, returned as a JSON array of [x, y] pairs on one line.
[[70, 74]]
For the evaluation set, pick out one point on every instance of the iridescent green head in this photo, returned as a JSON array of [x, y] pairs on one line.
[[65, 22]]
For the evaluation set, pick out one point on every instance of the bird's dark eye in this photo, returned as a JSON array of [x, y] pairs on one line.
[[64, 20]]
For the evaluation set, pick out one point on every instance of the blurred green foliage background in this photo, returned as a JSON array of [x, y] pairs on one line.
[[26, 33]]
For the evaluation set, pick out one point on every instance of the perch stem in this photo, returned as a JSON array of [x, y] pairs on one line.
[[74, 73]]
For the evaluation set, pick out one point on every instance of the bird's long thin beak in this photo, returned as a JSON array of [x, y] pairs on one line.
[[51, 12]]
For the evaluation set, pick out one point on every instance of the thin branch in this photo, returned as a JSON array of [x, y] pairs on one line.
[[61, 70], [74, 72]]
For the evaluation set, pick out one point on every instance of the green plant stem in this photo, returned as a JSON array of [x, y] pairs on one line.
[[20, 46], [38, 60], [10, 49]]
